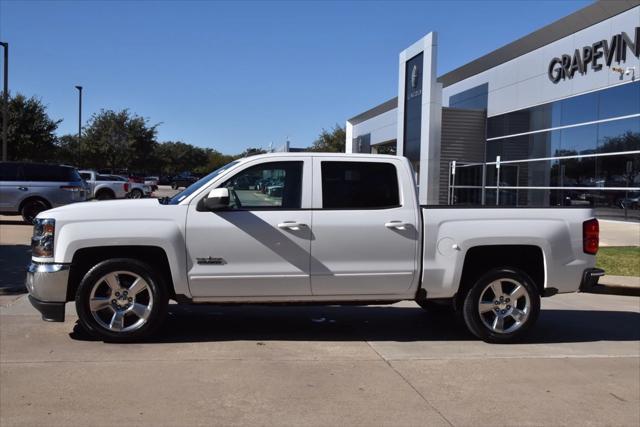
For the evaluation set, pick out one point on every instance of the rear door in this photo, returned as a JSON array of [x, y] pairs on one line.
[[258, 248], [365, 228], [12, 192]]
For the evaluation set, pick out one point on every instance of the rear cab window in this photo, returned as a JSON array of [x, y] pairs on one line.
[[359, 185]]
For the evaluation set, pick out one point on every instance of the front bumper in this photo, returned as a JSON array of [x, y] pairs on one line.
[[47, 286], [51, 311]]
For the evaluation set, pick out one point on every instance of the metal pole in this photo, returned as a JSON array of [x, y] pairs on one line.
[[497, 180], [79, 112], [453, 182], [484, 181], [5, 101]]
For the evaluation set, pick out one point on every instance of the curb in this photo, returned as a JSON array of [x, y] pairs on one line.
[[630, 282]]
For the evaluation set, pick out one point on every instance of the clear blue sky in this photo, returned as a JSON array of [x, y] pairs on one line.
[[234, 75]]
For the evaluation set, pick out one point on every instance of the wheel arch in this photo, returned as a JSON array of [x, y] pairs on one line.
[[481, 259], [33, 197], [104, 190], [85, 258]]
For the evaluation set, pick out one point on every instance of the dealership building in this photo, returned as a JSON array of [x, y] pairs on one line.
[[551, 119]]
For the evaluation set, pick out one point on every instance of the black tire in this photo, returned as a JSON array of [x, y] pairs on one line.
[[436, 308], [478, 323], [105, 195], [174, 185], [31, 208], [136, 194], [157, 294]]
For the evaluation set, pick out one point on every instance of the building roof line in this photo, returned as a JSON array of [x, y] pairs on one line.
[[570, 24], [375, 111]]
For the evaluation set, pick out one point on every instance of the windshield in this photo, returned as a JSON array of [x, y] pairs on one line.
[[197, 185]]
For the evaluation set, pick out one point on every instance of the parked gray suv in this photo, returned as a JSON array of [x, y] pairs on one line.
[[30, 188]]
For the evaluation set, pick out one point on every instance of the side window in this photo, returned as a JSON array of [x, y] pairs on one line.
[[9, 171], [268, 185], [359, 185], [38, 172], [86, 176]]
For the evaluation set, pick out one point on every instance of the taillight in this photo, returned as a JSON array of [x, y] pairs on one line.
[[590, 236], [70, 188], [126, 187]]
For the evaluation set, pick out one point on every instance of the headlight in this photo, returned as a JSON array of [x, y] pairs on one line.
[[42, 240]]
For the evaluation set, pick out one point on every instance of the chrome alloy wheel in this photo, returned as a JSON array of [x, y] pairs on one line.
[[121, 301], [504, 306]]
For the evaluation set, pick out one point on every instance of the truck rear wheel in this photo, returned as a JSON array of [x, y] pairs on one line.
[[121, 300], [502, 306]]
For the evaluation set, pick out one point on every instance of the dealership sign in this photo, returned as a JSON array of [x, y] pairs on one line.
[[600, 53]]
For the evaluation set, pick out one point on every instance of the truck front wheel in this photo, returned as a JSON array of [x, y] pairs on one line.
[[121, 300], [502, 306]]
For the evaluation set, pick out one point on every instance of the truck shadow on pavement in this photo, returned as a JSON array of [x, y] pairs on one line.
[[13, 266], [188, 324]]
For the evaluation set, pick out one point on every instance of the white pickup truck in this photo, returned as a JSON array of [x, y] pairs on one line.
[[343, 229], [107, 187]]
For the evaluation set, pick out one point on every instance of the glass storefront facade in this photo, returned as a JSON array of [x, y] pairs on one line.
[[583, 150]]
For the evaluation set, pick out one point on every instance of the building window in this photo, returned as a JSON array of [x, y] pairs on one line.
[[475, 98], [618, 101]]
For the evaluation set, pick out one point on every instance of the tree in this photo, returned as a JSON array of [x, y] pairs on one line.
[[330, 141], [69, 151], [176, 157], [216, 160], [30, 130], [119, 140]]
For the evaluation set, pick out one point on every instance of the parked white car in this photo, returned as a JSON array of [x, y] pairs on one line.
[[343, 229]]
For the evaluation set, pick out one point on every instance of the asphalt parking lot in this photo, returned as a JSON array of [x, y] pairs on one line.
[[393, 365], [326, 366]]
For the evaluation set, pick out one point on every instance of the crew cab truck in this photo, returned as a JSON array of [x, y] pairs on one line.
[[104, 187], [343, 229]]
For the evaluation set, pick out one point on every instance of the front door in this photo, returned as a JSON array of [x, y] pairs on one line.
[[260, 246]]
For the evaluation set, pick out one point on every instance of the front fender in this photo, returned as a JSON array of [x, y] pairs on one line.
[[161, 233]]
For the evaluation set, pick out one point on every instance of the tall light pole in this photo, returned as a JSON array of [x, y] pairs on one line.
[[79, 112], [5, 100]]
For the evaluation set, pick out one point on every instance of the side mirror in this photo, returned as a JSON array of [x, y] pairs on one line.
[[217, 199]]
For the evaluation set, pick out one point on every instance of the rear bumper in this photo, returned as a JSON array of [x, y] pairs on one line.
[[590, 278]]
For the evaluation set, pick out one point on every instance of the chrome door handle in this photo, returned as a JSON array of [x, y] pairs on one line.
[[23, 189], [397, 225], [291, 225]]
